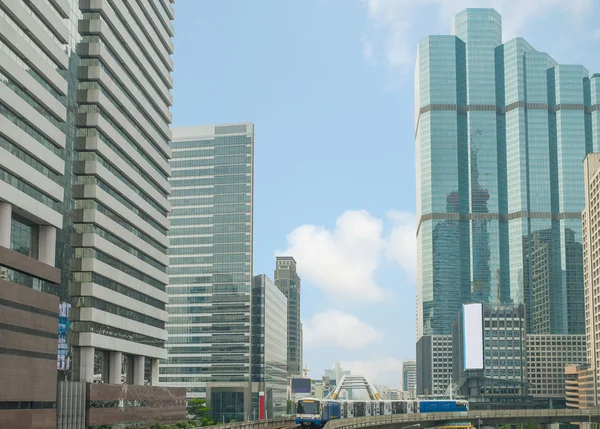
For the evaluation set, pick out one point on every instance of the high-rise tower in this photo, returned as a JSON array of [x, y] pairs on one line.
[[501, 131], [84, 133], [288, 282], [210, 272]]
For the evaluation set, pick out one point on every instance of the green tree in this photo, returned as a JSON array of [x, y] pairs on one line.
[[198, 410]]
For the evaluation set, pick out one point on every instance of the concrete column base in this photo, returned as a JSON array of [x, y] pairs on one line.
[[138, 370], [114, 372], [5, 223]]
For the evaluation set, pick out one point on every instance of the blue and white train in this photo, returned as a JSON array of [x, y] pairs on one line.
[[314, 413]]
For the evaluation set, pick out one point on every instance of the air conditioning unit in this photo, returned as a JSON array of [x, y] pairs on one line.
[[3, 273]]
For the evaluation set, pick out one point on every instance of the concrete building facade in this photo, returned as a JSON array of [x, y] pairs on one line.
[[84, 133], [591, 259], [434, 365], [288, 282], [210, 272], [502, 382], [409, 377], [547, 358]]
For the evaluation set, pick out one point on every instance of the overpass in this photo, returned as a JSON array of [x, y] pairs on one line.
[[476, 418]]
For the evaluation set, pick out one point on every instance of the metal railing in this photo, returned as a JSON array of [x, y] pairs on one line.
[[259, 424], [477, 417]]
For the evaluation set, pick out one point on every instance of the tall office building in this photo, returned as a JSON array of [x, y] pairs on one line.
[[269, 348], [84, 114], [409, 377], [288, 282], [210, 273], [33, 141], [501, 132], [591, 262]]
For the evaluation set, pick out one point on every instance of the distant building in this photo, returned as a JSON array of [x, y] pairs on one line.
[[579, 387], [502, 376], [409, 377], [434, 364], [269, 346], [288, 282], [547, 357], [336, 373]]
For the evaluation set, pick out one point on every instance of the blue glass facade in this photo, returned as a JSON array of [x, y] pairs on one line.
[[501, 133]]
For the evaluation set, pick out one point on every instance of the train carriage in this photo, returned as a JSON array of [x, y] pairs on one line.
[[315, 413]]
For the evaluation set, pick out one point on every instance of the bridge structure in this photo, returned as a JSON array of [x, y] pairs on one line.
[[476, 418]]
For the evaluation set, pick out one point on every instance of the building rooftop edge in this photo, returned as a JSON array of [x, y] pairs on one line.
[[202, 131]]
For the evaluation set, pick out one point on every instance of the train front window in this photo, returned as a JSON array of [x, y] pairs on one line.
[[308, 407]]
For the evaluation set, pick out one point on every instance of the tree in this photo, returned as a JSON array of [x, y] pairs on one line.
[[198, 410]]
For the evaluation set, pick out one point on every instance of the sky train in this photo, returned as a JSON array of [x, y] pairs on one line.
[[314, 413]]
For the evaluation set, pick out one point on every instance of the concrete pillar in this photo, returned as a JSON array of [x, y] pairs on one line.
[[154, 373], [138, 370], [47, 245], [5, 222], [84, 361], [114, 376]]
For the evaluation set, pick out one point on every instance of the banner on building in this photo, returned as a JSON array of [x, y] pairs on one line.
[[64, 325]]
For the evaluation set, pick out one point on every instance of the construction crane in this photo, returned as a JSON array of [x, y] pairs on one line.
[[306, 371]]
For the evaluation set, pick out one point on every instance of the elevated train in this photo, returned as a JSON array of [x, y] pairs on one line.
[[315, 413]]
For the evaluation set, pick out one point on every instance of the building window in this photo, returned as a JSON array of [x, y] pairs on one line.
[[24, 237]]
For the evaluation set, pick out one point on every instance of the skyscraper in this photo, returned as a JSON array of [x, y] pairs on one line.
[[84, 124], [501, 131], [288, 282], [409, 377], [591, 259], [269, 348], [210, 273]]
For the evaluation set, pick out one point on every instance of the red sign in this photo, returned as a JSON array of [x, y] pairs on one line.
[[261, 405]]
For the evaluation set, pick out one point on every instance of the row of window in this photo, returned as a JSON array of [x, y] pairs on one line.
[[218, 141], [89, 277], [94, 229], [103, 257]]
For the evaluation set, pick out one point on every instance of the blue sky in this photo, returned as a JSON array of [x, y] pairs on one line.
[[329, 87]]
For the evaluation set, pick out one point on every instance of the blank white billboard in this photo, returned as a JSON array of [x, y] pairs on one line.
[[473, 336]]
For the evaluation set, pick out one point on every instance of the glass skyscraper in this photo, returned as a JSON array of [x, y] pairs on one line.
[[501, 131], [269, 346], [210, 273]]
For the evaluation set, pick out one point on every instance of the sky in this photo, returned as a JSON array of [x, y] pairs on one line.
[[328, 85]]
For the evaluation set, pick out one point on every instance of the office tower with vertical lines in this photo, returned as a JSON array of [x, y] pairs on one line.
[[210, 272], [288, 282], [84, 135], [501, 131]]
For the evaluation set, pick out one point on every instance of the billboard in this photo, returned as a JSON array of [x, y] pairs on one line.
[[472, 336], [300, 385], [63, 363]]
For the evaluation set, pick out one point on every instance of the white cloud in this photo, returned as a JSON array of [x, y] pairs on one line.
[[402, 244], [383, 370], [342, 262], [334, 328], [398, 25]]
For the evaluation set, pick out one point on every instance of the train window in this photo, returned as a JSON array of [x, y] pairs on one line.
[[308, 407]]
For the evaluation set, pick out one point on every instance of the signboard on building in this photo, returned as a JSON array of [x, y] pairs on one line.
[[64, 324], [473, 336], [300, 385]]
